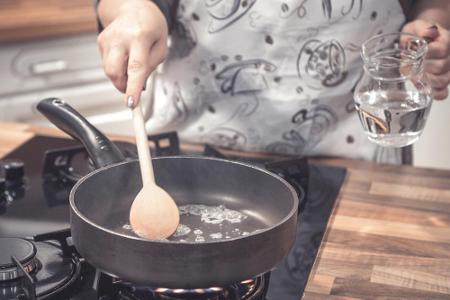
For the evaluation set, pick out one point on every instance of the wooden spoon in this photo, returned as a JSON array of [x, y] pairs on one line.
[[154, 214]]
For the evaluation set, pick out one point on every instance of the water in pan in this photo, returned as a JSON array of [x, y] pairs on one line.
[[212, 214], [201, 223]]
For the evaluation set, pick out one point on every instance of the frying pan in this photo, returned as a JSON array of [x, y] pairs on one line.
[[100, 204]]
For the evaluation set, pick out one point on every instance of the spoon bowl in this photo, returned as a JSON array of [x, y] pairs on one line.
[[153, 214]]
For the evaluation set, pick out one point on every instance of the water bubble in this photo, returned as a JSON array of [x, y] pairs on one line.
[[126, 226], [199, 239], [216, 236], [198, 231], [212, 214], [182, 230]]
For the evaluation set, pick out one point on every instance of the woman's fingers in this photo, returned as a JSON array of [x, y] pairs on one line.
[[420, 28], [439, 85], [138, 70], [114, 53], [437, 66], [440, 46], [440, 94], [115, 66], [439, 81], [157, 54]]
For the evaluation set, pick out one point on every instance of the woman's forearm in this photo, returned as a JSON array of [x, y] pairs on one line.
[[433, 11], [108, 10]]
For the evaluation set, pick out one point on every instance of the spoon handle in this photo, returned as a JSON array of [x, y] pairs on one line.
[[145, 160]]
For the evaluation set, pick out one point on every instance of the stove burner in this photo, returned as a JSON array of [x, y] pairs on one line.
[[110, 288], [25, 253], [37, 269], [56, 272], [244, 290]]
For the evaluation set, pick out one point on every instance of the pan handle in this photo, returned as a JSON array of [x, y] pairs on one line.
[[100, 149]]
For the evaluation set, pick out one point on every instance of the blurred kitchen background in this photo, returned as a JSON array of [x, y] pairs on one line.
[[48, 48]]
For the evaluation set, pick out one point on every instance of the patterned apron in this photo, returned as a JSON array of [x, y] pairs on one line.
[[271, 76]]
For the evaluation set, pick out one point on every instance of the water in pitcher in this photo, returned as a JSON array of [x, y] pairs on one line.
[[393, 118]]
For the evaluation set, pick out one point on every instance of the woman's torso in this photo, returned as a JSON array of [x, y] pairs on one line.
[[270, 76]]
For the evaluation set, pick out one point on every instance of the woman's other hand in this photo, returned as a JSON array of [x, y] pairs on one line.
[[437, 62]]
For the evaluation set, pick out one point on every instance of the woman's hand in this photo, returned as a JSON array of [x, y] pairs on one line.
[[132, 46], [437, 62]]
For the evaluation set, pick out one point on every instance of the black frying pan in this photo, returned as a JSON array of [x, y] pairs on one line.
[[232, 250]]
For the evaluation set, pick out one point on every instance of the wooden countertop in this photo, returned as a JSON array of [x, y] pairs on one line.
[[33, 19], [389, 236]]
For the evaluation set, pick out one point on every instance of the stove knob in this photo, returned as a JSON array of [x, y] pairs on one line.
[[14, 169]]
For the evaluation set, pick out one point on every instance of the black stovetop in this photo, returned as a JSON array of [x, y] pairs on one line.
[[39, 205]]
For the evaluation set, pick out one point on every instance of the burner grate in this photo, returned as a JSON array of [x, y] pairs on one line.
[[42, 268], [110, 288], [24, 254]]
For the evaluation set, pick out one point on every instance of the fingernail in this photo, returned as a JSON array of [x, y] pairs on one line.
[[433, 32], [130, 102]]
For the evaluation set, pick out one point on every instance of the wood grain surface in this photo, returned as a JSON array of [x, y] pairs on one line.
[[388, 238], [33, 19]]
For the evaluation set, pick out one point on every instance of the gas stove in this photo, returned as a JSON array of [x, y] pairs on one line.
[[38, 260]]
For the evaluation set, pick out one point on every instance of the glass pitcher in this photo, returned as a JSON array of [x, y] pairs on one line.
[[393, 98]]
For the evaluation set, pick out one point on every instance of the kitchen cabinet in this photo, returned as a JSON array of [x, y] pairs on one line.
[[35, 19]]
